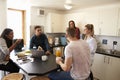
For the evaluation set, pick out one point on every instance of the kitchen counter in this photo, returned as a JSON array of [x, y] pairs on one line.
[[108, 53]]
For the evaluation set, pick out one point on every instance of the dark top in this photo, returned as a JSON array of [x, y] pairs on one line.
[[77, 33], [40, 41]]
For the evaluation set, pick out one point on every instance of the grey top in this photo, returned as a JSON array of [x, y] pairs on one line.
[[4, 50]]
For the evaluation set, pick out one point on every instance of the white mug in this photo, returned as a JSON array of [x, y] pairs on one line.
[[44, 58]]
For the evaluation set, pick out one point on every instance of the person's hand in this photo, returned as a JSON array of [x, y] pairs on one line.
[[47, 52], [58, 60], [18, 41]]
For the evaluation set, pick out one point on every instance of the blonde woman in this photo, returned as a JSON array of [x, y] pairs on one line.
[[89, 37]]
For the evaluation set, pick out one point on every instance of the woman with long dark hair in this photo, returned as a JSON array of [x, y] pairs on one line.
[[77, 30], [6, 46]]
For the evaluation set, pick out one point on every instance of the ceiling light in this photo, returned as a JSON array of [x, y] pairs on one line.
[[68, 6]]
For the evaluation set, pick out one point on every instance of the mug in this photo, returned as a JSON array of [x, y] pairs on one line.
[[44, 58]]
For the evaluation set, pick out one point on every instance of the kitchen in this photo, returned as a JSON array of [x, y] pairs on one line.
[[105, 17]]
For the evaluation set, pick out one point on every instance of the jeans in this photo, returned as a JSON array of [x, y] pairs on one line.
[[60, 75]]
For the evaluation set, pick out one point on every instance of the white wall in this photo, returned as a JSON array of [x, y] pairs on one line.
[[43, 20], [3, 15]]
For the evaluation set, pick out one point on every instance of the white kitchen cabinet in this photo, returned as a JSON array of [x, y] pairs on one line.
[[106, 67], [113, 71], [54, 22], [118, 28], [92, 17], [108, 21], [98, 67]]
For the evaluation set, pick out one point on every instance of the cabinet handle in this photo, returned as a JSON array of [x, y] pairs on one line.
[[108, 60], [119, 32], [99, 31], [104, 58]]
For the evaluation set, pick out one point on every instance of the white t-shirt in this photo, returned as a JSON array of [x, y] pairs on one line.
[[93, 46], [4, 50], [80, 53]]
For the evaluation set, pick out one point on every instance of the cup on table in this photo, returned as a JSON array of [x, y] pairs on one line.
[[44, 57]]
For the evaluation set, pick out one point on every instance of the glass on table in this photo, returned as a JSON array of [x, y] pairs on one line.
[[58, 52]]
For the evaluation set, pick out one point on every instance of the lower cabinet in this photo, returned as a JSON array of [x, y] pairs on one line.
[[106, 67]]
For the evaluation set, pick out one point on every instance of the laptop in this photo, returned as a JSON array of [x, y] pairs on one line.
[[63, 40], [37, 53], [19, 46]]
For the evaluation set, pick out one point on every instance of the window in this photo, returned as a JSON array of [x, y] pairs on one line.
[[16, 22]]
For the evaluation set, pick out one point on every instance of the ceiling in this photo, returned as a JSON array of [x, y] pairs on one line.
[[59, 4]]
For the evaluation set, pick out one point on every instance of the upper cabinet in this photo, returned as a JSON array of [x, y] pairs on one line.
[[54, 22], [108, 18], [105, 21], [92, 17], [118, 28]]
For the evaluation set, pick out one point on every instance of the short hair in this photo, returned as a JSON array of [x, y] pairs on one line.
[[71, 32], [37, 27]]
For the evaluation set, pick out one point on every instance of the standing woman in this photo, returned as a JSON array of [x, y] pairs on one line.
[[89, 37], [72, 25], [6, 46]]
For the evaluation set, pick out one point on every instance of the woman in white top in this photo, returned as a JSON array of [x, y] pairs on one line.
[[89, 37], [76, 65], [6, 46]]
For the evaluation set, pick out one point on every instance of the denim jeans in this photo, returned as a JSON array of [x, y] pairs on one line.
[[60, 75]]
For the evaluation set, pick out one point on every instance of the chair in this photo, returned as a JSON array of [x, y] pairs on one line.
[[4, 72], [13, 76], [40, 78]]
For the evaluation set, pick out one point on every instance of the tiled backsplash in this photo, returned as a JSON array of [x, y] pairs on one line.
[[106, 42]]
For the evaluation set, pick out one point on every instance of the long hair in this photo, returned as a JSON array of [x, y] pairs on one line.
[[91, 28], [4, 36], [72, 22]]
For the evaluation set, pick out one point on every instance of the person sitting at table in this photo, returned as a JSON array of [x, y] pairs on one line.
[[76, 65], [6, 46], [40, 39]]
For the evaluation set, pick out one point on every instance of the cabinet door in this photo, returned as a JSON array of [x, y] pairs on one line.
[[99, 67], [108, 21], [113, 71], [118, 30], [92, 17], [54, 23]]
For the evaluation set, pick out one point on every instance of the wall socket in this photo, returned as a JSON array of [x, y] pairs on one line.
[[104, 41]]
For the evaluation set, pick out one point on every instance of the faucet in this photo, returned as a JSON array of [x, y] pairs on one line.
[[114, 43]]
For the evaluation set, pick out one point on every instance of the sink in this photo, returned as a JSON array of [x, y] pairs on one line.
[[108, 51], [115, 52]]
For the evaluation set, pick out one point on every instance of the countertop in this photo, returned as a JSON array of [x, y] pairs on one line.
[[108, 53]]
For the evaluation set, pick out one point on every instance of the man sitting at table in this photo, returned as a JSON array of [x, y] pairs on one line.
[[40, 39], [76, 65]]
